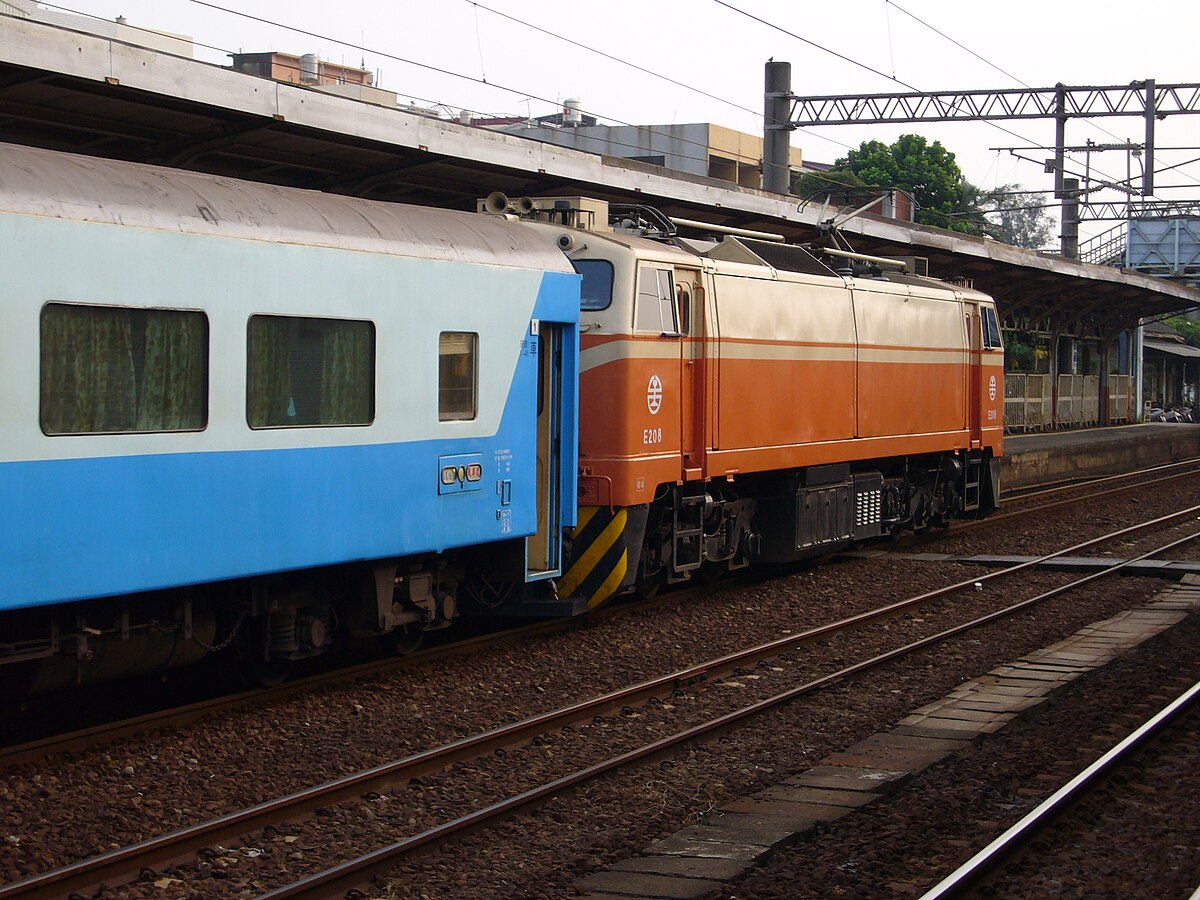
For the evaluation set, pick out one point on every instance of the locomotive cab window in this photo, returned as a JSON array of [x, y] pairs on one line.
[[685, 308], [304, 372], [991, 329], [657, 309], [458, 376], [107, 369], [597, 287]]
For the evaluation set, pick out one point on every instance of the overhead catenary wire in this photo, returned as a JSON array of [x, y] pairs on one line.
[[857, 63], [387, 55], [451, 73], [214, 47], [988, 62]]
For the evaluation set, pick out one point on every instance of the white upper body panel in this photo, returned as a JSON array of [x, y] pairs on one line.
[[66, 186]]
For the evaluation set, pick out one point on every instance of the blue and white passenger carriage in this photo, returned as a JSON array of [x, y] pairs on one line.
[[210, 385]]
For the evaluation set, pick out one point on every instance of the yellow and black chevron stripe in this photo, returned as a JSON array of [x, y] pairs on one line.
[[605, 549]]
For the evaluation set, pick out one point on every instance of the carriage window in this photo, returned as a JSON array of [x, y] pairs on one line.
[[110, 370], [596, 290], [302, 371], [458, 355], [991, 330], [656, 305]]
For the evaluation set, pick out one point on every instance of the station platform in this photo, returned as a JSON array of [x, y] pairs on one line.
[[1035, 460], [711, 857]]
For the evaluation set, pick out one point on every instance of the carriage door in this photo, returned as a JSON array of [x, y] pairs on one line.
[[542, 549], [974, 371], [690, 295]]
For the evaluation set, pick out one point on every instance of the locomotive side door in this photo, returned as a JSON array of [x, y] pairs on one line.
[[692, 372], [974, 371]]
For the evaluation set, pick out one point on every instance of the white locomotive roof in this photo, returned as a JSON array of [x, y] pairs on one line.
[[67, 186]]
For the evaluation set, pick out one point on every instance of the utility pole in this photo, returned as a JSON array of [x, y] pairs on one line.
[[777, 107], [1069, 239]]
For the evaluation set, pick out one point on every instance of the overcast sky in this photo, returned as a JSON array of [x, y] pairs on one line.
[[719, 53]]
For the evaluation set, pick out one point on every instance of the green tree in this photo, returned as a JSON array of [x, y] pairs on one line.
[[813, 185], [1018, 217], [1189, 328], [928, 172]]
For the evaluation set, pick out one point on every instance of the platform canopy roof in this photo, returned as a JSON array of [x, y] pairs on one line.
[[82, 93]]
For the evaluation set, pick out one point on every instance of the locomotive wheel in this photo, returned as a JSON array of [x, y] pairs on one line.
[[269, 672], [648, 590], [403, 641]]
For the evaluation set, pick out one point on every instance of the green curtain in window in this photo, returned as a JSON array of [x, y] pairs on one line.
[[173, 386], [88, 382], [112, 377], [269, 392], [347, 373]]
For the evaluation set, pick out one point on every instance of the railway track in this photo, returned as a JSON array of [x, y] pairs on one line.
[[1017, 838], [126, 862], [82, 739]]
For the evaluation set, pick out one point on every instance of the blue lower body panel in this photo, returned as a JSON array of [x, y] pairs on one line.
[[75, 529]]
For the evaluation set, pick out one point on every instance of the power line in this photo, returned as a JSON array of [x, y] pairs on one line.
[[449, 72], [386, 55], [642, 69], [855, 62], [616, 59], [961, 46], [216, 49], [956, 43]]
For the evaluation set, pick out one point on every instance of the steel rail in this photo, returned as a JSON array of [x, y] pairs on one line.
[[1071, 484], [95, 735], [1016, 837], [180, 844], [358, 874], [961, 526], [84, 738]]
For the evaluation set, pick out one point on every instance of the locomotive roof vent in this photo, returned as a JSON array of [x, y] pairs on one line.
[[783, 257], [583, 213]]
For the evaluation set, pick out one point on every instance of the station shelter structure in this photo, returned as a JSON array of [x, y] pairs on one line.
[[1171, 371], [1075, 326]]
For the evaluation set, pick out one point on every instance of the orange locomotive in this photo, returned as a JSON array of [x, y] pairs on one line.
[[744, 400]]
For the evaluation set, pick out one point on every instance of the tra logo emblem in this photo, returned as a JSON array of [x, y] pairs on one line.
[[992, 388], [654, 394]]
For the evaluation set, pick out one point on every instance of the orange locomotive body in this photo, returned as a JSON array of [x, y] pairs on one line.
[[742, 401]]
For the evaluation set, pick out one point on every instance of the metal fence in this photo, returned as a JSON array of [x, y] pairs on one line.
[[1029, 403]]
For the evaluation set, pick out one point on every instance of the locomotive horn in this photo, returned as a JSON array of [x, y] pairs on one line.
[[496, 203], [524, 206]]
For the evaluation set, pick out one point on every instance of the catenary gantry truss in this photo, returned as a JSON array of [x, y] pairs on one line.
[[1133, 99], [1147, 100]]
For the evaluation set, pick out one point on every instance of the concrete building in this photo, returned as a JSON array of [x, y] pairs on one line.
[[311, 71], [696, 149]]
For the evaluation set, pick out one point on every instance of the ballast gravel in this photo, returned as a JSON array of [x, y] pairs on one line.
[[78, 805]]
